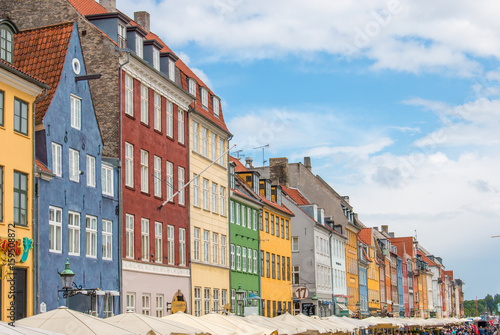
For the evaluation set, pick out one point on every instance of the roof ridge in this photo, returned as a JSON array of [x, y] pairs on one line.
[[47, 27]]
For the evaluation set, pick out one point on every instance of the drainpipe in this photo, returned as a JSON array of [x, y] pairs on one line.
[[36, 230], [120, 188]]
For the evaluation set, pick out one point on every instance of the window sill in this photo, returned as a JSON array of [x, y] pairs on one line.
[[131, 188], [132, 117], [145, 193], [158, 131], [145, 125]]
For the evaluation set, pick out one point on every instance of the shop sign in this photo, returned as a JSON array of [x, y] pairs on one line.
[[178, 304], [20, 247], [301, 292]]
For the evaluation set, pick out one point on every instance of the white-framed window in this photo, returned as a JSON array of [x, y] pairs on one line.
[[90, 171], [73, 233], [223, 250], [213, 146], [55, 229], [107, 239], [139, 47], [222, 148], [129, 164], [244, 259], [206, 246], [205, 194], [157, 113], [232, 260], [129, 95], [171, 244], [238, 258], [216, 300], [295, 274], [196, 244], [243, 216], [206, 300], [144, 171], [215, 200], [171, 69], [107, 180], [57, 159], [122, 36], [157, 176], [237, 212], [130, 302], [197, 301], [196, 191], [129, 236], [145, 239], [158, 242], [180, 182], [192, 87], [216, 106], [196, 146], [223, 295], [76, 112], [170, 180], [74, 165], [180, 125], [215, 248], [182, 246], [156, 59], [204, 139], [91, 235], [159, 305], [204, 98], [144, 104], [255, 262], [249, 217], [170, 119], [231, 211], [254, 220], [222, 200], [295, 243], [146, 304], [249, 260], [6, 45]]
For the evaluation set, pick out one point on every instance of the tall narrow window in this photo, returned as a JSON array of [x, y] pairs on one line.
[[255, 261], [215, 248], [273, 266], [130, 302], [57, 159], [244, 259], [156, 59], [222, 148], [107, 239], [2, 107], [213, 146], [129, 236], [91, 236], [171, 244], [144, 171], [196, 244], [90, 171], [170, 180], [76, 112], [197, 301], [158, 242], [146, 304], [243, 216], [204, 98], [222, 200], [254, 220], [122, 36], [196, 147], [249, 260], [223, 250], [268, 268], [267, 221], [237, 213], [204, 139], [216, 106], [206, 299], [74, 165], [6, 45], [192, 87], [215, 199], [180, 185], [157, 176], [232, 260], [170, 119], [278, 267], [231, 211], [73, 233], [145, 239], [180, 125], [238, 258], [157, 113], [206, 246], [144, 104], [20, 198], [129, 95], [139, 47], [159, 305], [171, 69], [216, 300], [129, 165], [182, 246], [205, 194], [55, 229], [196, 191]]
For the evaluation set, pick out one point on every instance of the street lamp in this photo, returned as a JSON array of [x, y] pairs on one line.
[[67, 276], [239, 297], [69, 287]]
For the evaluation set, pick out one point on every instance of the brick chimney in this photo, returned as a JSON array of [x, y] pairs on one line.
[[142, 18], [279, 171], [307, 163], [385, 228], [249, 162], [110, 5]]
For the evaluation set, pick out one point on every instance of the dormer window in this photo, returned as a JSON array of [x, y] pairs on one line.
[[7, 31], [139, 46], [255, 182], [156, 59], [204, 98], [122, 36], [268, 190], [215, 102], [171, 69], [192, 87]]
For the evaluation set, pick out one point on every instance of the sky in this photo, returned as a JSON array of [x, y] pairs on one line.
[[397, 103]]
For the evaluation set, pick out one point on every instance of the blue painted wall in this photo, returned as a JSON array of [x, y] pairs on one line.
[[363, 290], [400, 285], [72, 196]]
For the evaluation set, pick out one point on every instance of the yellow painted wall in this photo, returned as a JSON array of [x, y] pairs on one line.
[[16, 153], [208, 274], [276, 289], [373, 281], [351, 254]]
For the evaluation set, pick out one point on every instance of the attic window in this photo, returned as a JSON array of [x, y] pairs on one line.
[[156, 59], [204, 98], [139, 47], [171, 70], [122, 36], [216, 106], [192, 87], [6, 44]]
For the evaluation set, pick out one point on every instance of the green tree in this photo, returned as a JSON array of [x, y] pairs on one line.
[[490, 304]]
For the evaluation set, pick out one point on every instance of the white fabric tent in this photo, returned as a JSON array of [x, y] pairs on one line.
[[6, 329], [282, 327], [205, 325], [319, 323], [67, 321], [238, 323]]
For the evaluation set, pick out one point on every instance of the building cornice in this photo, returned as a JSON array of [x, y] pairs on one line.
[[20, 80], [154, 269]]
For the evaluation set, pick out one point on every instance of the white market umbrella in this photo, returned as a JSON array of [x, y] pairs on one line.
[[205, 325], [341, 324], [237, 322], [282, 327], [304, 327], [320, 325], [17, 329], [67, 321]]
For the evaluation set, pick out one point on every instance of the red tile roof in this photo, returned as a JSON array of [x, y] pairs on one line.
[[296, 195], [41, 53], [90, 7], [42, 166], [408, 241], [401, 246], [426, 259], [449, 274], [365, 235], [239, 165], [282, 208]]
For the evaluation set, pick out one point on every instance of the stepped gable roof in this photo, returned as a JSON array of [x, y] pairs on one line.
[[365, 235], [41, 52], [91, 7], [296, 195], [239, 165]]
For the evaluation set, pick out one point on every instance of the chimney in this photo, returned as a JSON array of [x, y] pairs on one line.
[[391, 234], [249, 162], [346, 198], [279, 171], [385, 228], [307, 163], [142, 18], [109, 5]]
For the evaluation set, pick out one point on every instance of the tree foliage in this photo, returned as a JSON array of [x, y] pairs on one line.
[[488, 304]]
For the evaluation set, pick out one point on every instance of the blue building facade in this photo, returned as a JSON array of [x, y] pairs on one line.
[[401, 288], [76, 200], [363, 291]]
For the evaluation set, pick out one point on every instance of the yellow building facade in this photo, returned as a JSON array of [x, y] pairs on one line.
[[17, 97], [209, 224], [351, 255], [373, 275]]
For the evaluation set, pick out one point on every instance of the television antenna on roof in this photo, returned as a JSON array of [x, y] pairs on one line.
[[238, 154], [263, 147]]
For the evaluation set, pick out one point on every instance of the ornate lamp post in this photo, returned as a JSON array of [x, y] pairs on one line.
[[69, 288], [239, 297]]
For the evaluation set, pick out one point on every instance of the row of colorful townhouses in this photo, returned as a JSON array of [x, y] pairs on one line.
[[115, 167]]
